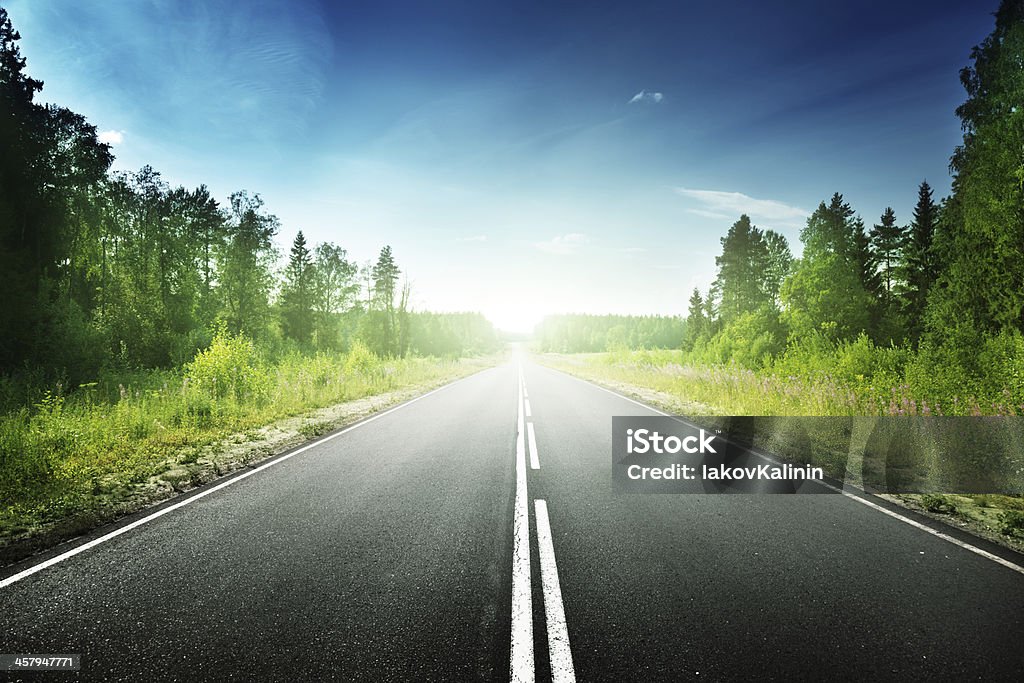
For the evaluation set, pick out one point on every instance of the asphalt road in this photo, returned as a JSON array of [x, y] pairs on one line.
[[416, 547]]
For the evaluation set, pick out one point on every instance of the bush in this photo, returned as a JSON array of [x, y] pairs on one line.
[[1012, 523], [751, 341], [937, 503], [361, 360], [230, 369]]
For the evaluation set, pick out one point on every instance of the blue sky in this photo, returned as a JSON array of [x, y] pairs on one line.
[[523, 158]]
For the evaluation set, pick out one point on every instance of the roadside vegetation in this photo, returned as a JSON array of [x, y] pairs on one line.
[[667, 379], [918, 318], [75, 458], [146, 326]]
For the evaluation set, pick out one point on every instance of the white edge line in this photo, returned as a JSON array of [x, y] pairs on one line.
[[934, 532], [529, 411], [534, 458], [521, 668], [202, 494], [558, 632], [895, 515]]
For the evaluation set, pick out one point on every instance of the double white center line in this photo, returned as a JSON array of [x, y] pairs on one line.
[[521, 666]]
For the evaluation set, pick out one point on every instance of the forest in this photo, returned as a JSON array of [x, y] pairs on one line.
[[144, 323], [923, 315], [583, 333], [107, 269]]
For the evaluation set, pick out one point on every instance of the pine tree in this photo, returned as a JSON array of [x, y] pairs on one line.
[[751, 269], [380, 327], [826, 291], [297, 294], [695, 320], [385, 277], [982, 286], [739, 269], [887, 242], [919, 267], [831, 229], [777, 262]]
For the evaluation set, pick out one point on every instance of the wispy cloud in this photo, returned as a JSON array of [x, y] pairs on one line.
[[111, 137], [634, 250], [729, 205], [718, 215], [472, 238], [252, 72], [563, 244], [644, 96]]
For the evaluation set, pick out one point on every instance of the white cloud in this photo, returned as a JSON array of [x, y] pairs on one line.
[[644, 96], [562, 244], [111, 137], [473, 238], [729, 205], [634, 250], [717, 215]]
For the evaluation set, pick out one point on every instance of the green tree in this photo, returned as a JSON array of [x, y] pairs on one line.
[[887, 241], [982, 285], [206, 234], [379, 328], [335, 290], [739, 270], [298, 292], [776, 265], [887, 246], [51, 161], [696, 320], [825, 291], [920, 263], [245, 263]]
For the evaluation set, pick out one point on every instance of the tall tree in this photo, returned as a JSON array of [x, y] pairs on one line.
[[380, 326], [696, 321], [866, 261], [831, 229], [982, 286], [50, 156], [206, 227], [298, 292], [404, 321], [920, 265], [887, 242], [245, 264], [777, 262], [825, 291], [335, 292], [751, 269], [739, 269], [385, 278]]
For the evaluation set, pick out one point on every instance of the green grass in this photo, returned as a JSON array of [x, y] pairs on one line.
[[666, 379], [66, 455], [719, 390]]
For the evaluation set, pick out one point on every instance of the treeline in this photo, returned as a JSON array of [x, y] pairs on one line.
[[937, 301], [452, 334], [849, 281], [589, 333], [101, 268]]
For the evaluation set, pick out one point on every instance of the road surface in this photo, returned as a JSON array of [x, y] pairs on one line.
[[424, 544]]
